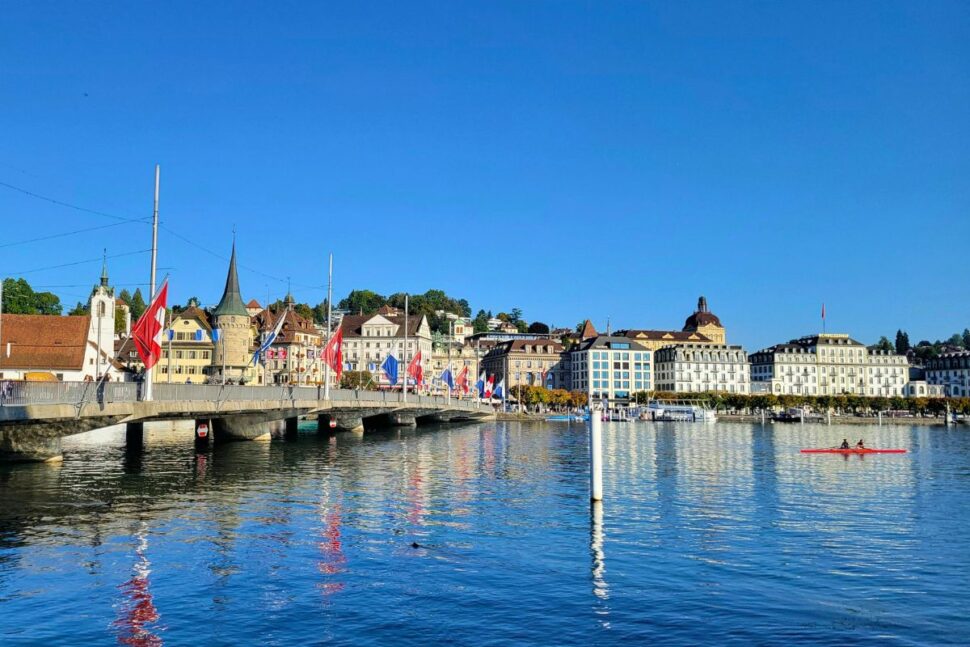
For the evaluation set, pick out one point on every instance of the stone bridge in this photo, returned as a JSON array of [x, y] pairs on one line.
[[35, 416]]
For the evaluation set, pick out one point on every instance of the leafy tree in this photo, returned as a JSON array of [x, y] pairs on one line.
[[902, 342], [119, 321], [538, 328], [884, 345], [320, 313], [20, 299], [515, 316], [366, 301], [966, 338], [137, 305], [480, 322], [357, 380], [79, 310], [955, 340]]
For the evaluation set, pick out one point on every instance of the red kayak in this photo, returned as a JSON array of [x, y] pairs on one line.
[[853, 450]]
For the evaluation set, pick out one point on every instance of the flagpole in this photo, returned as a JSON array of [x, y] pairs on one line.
[[147, 390], [170, 335], [407, 365], [326, 369]]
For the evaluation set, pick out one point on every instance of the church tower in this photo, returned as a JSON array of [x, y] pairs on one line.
[[231, 318], [102, 330]]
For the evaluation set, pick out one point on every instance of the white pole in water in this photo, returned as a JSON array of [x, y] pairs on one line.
[[762, 417], [879, 415], [828, 417], [946, 419], [404, 354], [147, 392], [595, 454]]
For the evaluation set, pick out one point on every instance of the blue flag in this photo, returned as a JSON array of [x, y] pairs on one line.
[[216, 334], [390, 369], [198, 335], [480, 385], [270, 338], [447, 379]]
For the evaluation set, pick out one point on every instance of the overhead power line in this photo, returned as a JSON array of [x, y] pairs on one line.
[[68, 205], [90, 260], [66, 233]]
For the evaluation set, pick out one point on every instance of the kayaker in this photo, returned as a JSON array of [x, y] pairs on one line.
[[845, 443], [860, 444]]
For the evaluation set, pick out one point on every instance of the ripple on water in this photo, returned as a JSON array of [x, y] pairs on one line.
[[483, 535]]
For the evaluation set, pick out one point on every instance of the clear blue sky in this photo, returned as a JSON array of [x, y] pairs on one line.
[[572, 159]]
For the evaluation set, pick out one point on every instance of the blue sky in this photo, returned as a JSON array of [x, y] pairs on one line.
[[572, 159]]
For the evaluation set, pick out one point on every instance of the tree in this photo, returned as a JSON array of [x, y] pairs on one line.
[[955, 340], [884, 344], [966, 338], [137, 305], [320, 313], [902, 342], [480, 322], [357, 380], [366, 301], [79, 310], [538, 328], [515, 316], [119, 321], [20, 299]]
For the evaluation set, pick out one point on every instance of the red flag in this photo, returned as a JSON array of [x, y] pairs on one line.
[[147, 331], [415, 369], [333, 354], [461, 382]]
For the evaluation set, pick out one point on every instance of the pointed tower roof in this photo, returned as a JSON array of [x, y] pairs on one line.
[[231, 302], [588, 330], [104, 269]]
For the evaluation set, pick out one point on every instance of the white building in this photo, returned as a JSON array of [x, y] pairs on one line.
[[699, 368], [72, 348], [610, 367], [369, 339], [829, 364], [951, 371]]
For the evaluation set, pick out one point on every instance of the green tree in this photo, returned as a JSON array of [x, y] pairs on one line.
[[538, 328], [357, 380], [79, 310], [884, 344], [365, 301], [955, 340], [515, 316], [902, 342], [320, 313], [480, 322], [137, 305], [20, 299], [966, 338]]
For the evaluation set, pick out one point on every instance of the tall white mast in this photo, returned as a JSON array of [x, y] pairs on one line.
[[326, 377], [147, 391]]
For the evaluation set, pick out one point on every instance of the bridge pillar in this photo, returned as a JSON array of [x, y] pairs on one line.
[[202, 433], [30, 445], [292, 428], [395, 419], [134, 434], [240, 428], [332, 422]]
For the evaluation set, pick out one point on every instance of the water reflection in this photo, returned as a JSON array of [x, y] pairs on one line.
[[137, 609]]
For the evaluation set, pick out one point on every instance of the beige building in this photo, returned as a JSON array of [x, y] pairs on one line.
[[610, 367], [369, 339], [702, 327], [462, 356], [187, 348], [295, 356], [528, 362], [699, 368], [950, 372], [829, 364]]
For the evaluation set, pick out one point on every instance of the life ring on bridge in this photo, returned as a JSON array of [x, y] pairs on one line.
[[333, 423], [202, 430]]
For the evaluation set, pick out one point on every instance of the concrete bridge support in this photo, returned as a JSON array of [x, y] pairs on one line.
[[394, 419], [241, 427], [34, 444], [135, 435], [292, 428], [350, 421]]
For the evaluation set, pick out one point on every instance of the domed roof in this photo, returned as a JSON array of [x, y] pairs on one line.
[[703, 317]]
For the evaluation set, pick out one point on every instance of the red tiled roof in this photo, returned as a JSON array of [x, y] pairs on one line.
[[664, 335], [44, 341], [253, 303], [351, 325], [588, 330], [294, 323]]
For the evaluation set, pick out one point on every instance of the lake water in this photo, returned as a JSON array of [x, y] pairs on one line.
[[717, 534]]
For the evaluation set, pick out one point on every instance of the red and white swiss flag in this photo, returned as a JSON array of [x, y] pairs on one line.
[[415, 369], [333, 354], [147, 331]]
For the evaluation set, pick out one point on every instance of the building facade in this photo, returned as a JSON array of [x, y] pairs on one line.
[[295, 356], [610, 367], [528, 362], [369, 339], [187, 348], [699, 368], [951, 372], [829, 364]]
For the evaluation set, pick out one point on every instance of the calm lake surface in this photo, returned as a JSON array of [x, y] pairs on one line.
[[717, 534]]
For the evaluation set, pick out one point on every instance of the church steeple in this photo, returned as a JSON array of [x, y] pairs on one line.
[[231, 302], [104, 268]]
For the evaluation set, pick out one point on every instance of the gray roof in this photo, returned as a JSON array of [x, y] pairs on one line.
[[232, 301]]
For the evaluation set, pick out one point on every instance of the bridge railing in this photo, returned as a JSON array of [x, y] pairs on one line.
[[16, 393]]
